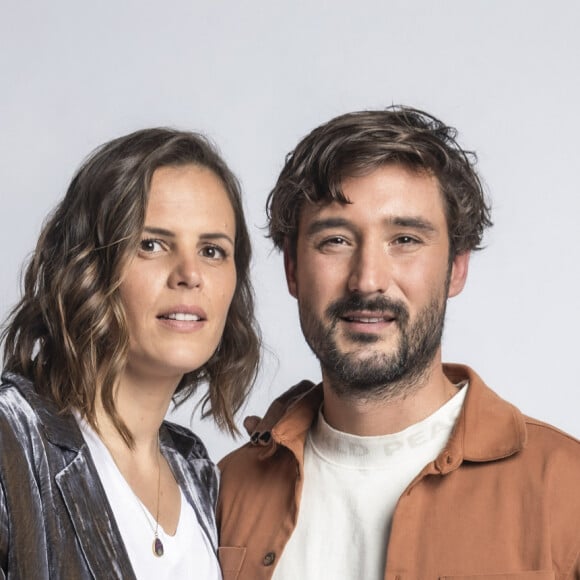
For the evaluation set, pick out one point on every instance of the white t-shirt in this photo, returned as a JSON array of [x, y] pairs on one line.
[[351, 487], [187, 554]]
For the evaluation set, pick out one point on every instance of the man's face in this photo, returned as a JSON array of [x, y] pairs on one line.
[[372, 279]]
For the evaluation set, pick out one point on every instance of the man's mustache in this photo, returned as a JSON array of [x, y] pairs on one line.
[[346, 305]]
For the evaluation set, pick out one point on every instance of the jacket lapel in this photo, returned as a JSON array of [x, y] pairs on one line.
[[84, 497], [488, 427], [96, 530], [196, 477]]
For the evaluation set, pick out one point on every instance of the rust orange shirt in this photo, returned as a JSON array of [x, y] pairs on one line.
[[501, 502]]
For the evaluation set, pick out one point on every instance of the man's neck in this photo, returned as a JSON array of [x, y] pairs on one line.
[[374, 416]]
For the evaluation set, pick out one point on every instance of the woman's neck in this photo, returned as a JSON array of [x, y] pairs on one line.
[[141, 403]]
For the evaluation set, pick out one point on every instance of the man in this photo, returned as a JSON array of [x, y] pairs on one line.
[[396, 466]]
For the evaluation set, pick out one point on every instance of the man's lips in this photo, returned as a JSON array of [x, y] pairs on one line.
[[368, 317], [361, 315]]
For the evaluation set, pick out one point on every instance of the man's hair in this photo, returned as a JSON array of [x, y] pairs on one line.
[[69, 335], [357, 143]]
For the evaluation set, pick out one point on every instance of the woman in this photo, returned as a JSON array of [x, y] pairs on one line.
[[138, 291]]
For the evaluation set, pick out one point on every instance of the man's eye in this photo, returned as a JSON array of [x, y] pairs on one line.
[[150, 245], [333, 241], [405, 240]]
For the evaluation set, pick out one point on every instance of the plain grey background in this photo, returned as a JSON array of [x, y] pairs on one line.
[[258, 75]]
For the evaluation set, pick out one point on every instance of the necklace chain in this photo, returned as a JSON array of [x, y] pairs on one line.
[[157, 546]]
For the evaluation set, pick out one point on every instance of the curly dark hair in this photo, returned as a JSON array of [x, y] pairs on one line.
[[356, 143], [68, 333]]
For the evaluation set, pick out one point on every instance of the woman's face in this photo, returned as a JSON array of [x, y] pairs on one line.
[[177, 290]]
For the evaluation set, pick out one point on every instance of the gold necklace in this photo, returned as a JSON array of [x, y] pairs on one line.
[[158, 549], [157, 545]]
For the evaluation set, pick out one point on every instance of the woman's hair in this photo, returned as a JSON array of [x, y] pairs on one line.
[[68, 334], [356, 144]]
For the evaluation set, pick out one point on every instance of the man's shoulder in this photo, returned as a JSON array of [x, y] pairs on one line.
[[287, 420], [491, 428], [552, 442]]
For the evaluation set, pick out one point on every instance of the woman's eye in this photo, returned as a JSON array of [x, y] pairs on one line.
[[214, 252], [150, 246]]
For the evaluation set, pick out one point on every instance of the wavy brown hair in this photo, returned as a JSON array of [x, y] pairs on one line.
[[68, 334], [357, 143]]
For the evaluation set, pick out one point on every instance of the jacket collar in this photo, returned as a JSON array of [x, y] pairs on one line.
[[60, 428], [287, 421], [488, 428]]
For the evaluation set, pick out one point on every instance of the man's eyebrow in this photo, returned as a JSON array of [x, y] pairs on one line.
[[399, 221], [169, 234], [412, 222], [327, 223]]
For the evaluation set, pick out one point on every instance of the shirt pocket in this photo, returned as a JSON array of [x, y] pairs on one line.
[[231, 559], [531, 575]]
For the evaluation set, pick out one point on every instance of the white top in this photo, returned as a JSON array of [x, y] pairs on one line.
[[351, 487], [187, 554]]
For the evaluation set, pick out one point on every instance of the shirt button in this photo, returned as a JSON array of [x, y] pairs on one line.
[[269, 559]]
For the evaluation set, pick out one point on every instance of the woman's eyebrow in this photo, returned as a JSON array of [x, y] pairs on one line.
[[158, 231], [217, 236], [169, 234]]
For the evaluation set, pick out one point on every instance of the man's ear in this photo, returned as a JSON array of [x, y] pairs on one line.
[[458, 277], [290, 267]]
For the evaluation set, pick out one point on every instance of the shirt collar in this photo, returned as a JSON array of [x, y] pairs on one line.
[[488, 427]]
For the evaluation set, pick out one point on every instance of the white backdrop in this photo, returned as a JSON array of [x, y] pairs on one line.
[[258, 75]]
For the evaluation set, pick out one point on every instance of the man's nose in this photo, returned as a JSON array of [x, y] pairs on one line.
[[371, 269]]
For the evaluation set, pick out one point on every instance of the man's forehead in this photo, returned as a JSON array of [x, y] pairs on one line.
[[397, 192]]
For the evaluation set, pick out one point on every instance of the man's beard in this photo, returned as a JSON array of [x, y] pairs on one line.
[[376, 375]]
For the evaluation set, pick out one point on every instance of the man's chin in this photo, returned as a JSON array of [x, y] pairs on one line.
[[366, 344]]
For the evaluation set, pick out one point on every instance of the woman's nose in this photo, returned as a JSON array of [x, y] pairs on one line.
[[186, 273]]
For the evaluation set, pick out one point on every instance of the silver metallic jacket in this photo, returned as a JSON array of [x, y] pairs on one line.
[[55, 520]]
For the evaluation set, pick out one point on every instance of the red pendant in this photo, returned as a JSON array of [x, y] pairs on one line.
[[158, 547]]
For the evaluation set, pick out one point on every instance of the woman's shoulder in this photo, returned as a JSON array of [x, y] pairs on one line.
[[20, 426], [16, 396], [23, 411], [183, 440]]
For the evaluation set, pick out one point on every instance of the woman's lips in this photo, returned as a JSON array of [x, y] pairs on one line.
[[183, 318]]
